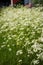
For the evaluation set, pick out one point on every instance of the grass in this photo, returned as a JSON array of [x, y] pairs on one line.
[[21, 36]]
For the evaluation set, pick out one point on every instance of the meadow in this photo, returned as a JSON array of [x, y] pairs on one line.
[[21, 36]]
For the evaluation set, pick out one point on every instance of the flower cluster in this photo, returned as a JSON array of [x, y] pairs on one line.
[[21, 36]]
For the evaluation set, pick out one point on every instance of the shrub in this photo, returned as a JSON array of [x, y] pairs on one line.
[[21, 36], [38, 1]]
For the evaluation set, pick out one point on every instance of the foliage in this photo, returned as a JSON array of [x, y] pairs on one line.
[[38, 1], [21, 36]]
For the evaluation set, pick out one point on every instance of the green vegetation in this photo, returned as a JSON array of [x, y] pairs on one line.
[[38, 1], [21, 36]]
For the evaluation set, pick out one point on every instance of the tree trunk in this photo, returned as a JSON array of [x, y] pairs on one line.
[[11, 2]]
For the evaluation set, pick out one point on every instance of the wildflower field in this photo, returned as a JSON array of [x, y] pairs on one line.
[[21, 36]]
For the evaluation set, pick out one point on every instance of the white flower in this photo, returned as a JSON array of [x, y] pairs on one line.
[[10, 49], [34, 46], [8, 45], [41, 39], [5, 24], [9, 37], [3, 46], [20, 61], [22, 28], [35, 62], [19, 52], [28, 55]]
